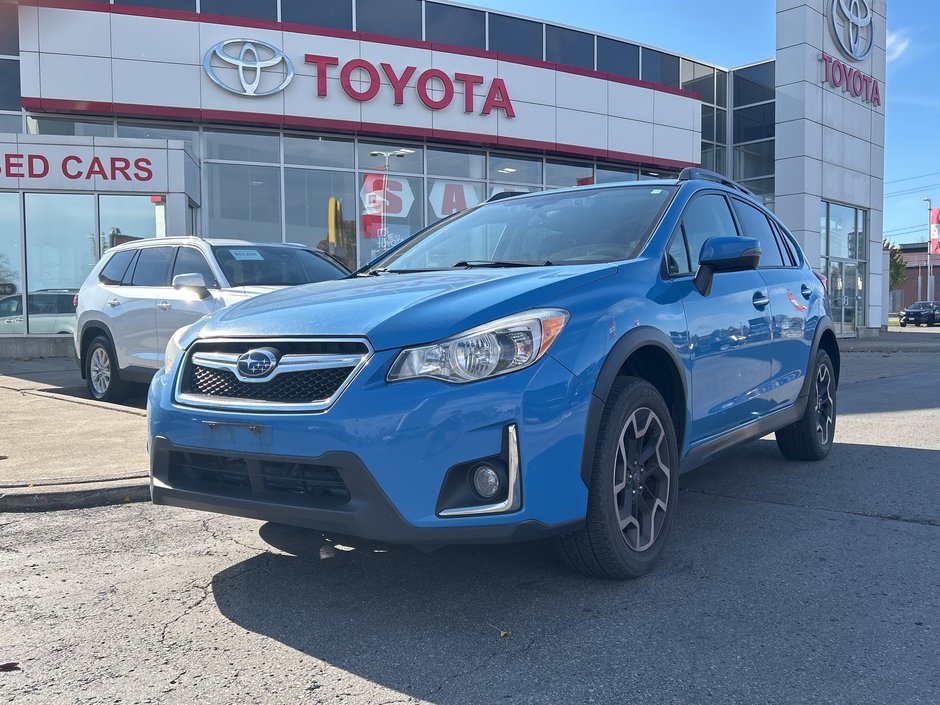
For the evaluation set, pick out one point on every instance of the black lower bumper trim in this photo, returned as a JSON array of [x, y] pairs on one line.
[[369, 514]]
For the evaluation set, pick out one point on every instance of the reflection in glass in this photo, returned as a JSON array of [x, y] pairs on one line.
[[161, 132], [700, 79], [754, 84], [252, 9], [560, 174], [335, 14], [754, 123], [390, 211], [9, 84], [459, 26], [569, 47], [448, 197], [454, 162], [11, 123], [511, 35], [243, 202], [660, 68], [611, 174], [618, 57], [321, 211], [242, 146], [394, 18], [128, 218], [319, 151], [842, 242], [77, 128], [515, 170], [754, 160], [406, 158], [11, 276], [60, 251]]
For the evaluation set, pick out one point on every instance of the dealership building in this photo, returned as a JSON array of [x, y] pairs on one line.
[[349, 124]]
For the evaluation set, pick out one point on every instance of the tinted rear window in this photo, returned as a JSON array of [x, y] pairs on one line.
[[261, 265], [115, 269]]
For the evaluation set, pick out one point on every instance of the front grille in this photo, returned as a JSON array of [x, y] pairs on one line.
[[286, 482], [306, 375], [292, 387]]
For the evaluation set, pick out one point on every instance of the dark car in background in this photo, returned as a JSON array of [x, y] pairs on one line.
[[920, 313]]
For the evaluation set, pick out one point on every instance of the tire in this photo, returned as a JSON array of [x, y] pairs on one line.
[[628, 516], [811, 437], [101, 372], [903, 324]]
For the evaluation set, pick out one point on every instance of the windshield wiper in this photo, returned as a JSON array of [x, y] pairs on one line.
[[500, 263]]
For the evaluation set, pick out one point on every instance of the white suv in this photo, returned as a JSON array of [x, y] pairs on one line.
[[140, 293]]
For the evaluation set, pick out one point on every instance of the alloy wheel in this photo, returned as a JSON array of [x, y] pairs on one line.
[[100, 371], [641, 479], [824, 404]]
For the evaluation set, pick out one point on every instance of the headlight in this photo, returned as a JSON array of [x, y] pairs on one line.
[[500, 347], [174, 349]]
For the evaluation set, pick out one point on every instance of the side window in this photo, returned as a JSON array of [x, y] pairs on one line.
[[153, 267], [191, 261], [755, 224], [11, 306], [129, 274], [707, 216], [116, 267], [677, 258], [787, 244]]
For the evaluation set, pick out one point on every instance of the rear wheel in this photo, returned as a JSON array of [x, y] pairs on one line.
[[634, 487], [903, 324], [810, 438], [101, 372]]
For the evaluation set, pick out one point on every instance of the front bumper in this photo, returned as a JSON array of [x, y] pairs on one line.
[[392, 446]]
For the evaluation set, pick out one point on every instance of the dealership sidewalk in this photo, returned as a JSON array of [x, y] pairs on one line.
[[60, 449]]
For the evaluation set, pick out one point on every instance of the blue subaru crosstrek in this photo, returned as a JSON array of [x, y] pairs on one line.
[[541, 365]]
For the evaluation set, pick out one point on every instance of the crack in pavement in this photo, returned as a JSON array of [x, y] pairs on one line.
[[922, 521]]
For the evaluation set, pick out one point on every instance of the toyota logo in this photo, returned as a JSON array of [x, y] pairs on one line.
[[249, 60], [257, 363], [851, 25]]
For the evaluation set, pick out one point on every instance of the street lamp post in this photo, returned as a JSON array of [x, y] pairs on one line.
[[383, 227], [929, 268]]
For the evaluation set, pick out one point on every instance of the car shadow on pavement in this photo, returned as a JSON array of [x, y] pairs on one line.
[[756, 537]]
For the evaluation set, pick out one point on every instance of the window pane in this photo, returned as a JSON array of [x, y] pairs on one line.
[[721, 89], [566, 46], [754, 84], [448, 197], [754, 160], [60, 251], [861, 231], [185, 5], [153, 267], [708, 123], [145, 131], [707, 216], [11, 123], [395, 18], [515, 170], [318, 151], [510, 35], [11, 276], [699, 78], [406, 158], [763, 189], [459, 26], [754, 123], [453, 162], [618, 57], [321, 211], [391, 211], [252, 9], [128, 218], [9, 84], [559, 174], [755, 224], [9, 29], [708, 156], [841, 231], [721, 125], [677, 258], [823, 229], [77, 128], [242, 146], [660, 68], [335, 14], [611, 174], [189, 260], [116, 267], [243, 202]]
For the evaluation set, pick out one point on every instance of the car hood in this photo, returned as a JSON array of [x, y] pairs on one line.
[[394, 310]]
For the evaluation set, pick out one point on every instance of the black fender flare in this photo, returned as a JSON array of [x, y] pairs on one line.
[[629, 343], [824, 325], [85, 326]]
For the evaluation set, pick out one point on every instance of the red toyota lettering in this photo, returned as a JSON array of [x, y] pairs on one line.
[[322, 63], [469, 80], [446, 84], [497, 98], [399, 82], [345, 80]]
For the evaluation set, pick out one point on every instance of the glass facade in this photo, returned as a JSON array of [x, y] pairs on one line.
[[754, 129], [843, 234]]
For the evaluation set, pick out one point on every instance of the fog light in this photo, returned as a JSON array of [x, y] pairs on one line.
[[485, 481]]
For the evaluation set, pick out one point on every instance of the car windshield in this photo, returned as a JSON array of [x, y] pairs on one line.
[[919, 306], [273, 265], [568, 227]]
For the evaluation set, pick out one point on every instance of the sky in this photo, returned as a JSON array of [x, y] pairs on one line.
[[735, 32]]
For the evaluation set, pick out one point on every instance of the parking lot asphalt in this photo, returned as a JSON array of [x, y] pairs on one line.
[[783, 583]]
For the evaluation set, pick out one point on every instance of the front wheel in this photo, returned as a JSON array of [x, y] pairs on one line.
[[903, 324], [633, 488], [101, 372], [810, 438]]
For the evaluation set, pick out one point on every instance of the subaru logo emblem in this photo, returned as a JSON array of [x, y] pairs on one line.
[[257, 363], [248, 57], [851, 24]]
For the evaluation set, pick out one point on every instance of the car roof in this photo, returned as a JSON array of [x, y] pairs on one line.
[[215, 242]]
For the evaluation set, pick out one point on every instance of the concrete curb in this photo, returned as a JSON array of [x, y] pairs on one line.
[[78, 496]]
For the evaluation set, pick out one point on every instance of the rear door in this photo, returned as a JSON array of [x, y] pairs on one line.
[[790, 293], [729, 330], [182, 307]]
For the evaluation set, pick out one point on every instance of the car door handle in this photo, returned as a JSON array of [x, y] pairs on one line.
[[114, 302], [760, 300], [164, 305], [806, 291]]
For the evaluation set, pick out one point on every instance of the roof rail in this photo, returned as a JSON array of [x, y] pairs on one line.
[[690, 173], [504, 194]]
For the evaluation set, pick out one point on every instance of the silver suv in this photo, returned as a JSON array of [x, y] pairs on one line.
[[140, 293]]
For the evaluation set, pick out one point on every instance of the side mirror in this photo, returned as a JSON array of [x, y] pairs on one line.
[[195, 282], [725, 254]]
